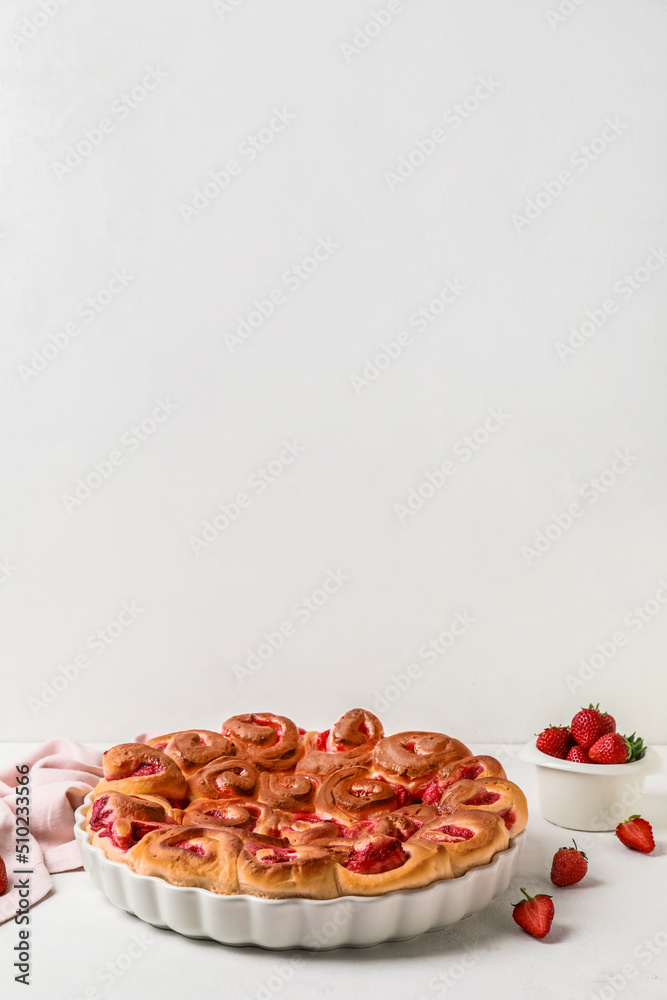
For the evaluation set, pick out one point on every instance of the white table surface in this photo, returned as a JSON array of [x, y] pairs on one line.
[[609, 937]]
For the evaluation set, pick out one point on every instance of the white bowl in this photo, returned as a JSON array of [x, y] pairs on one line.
[[348, 921], [594, 797]]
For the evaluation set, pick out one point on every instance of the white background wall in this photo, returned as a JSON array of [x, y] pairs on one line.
[[219, 71]]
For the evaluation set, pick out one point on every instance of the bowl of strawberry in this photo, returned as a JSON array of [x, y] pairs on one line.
[[589, 774]]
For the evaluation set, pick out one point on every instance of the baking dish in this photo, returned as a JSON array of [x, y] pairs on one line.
[[347, 921]]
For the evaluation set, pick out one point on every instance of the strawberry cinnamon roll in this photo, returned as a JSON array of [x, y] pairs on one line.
[[193, 748], [413, 757], [350, 741], [124, 819], [234, 814], [496, 795], [292, 799], [297, 828], [271, 742], [378, 864], [352, 794], [468, 768], [405, 822], [190, 855], [289, 792], [295, 870], [227, 777], [139, 769], [471, 837]]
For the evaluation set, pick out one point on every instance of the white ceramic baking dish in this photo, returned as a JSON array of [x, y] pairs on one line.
[[593, 797], [348, 921]]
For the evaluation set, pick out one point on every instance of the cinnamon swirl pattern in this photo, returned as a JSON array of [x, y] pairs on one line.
[[193, 748], [267, 809], [271, 741], [350, 741]]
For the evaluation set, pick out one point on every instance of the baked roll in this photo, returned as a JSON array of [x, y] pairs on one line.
[[291, 797], [227, 777], [413, 758], [298, 828], [405, 822], [496, 795], [125, 819], [288, 791], [193, 748], [471, 837], [234, 814], [467, 767], [293, 870], [271, 742], [190, 855], [138, 769], [349, 742], [379, 864], [352, 794]]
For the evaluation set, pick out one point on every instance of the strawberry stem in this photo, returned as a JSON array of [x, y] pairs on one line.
[[636, 748], [529, 897]]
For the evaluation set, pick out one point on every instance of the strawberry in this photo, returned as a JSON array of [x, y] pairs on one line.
[[534, 914], [578, 755], [555, 741], [616, 749], [3, 878], [637, 834], [568, 866], [590, 724]]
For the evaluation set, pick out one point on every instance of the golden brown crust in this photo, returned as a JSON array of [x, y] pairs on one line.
[[190, 855], [191, 749], [471, 837], [294, 870], [227, 777], [349, 742], [472, 768], [405, 822], [288, 791], [266, 809], [352, 794], [233, 814], [307, 831], [118, 821], [496, 795], [424, 862], [270, 741], [416, 755], [139, 769]]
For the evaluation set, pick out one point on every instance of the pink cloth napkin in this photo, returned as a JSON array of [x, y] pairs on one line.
[[61, 775]]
